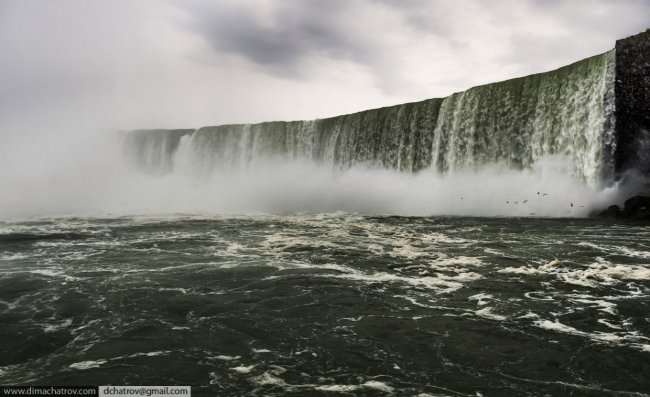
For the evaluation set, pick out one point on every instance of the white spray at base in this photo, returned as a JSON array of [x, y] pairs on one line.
[[546, 189], [105, 184]]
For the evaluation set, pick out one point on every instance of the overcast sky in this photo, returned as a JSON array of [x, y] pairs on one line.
[[188, 63]]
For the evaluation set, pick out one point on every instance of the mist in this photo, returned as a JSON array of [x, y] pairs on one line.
[[269, 186], [95, 178]]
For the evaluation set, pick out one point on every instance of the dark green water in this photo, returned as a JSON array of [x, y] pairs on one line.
[[329, 305]]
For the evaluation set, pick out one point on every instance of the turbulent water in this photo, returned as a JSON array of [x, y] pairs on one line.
[[327, 305]]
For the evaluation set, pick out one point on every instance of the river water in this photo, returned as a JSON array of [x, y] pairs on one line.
[[329, 305]]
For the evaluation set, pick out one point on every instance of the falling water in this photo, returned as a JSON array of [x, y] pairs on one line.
[[566, 112]]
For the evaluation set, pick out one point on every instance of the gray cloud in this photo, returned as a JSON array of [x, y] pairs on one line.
[[286, 38], [582, 29], [283, 40], [192, 62], [432, 17]]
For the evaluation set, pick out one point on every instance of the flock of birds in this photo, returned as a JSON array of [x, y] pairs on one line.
[[571, 205]]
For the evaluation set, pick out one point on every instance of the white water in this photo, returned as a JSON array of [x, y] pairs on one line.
[[107, 184]]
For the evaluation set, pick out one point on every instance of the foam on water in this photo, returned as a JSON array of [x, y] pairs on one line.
[[380, 386], [53, 273], [227, 358], [440, 283], [87, 364], [632, 338], [338, 388], [271, 378], [488, 313], [55, 327], [267, 379], [481, 299], [243, 369], [593, 275]]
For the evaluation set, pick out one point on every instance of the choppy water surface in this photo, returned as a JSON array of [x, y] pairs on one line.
[[329, 305]]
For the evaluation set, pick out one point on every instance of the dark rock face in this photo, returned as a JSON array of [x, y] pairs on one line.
[[632, 114], [637, 207], [613, 211]]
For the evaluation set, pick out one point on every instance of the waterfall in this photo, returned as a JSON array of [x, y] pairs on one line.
[[154, 150], [566, 112], [522, 120]]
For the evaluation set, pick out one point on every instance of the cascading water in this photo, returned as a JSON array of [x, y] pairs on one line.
[[517, 122], [522, 120], [153, 150], [491, 150]]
